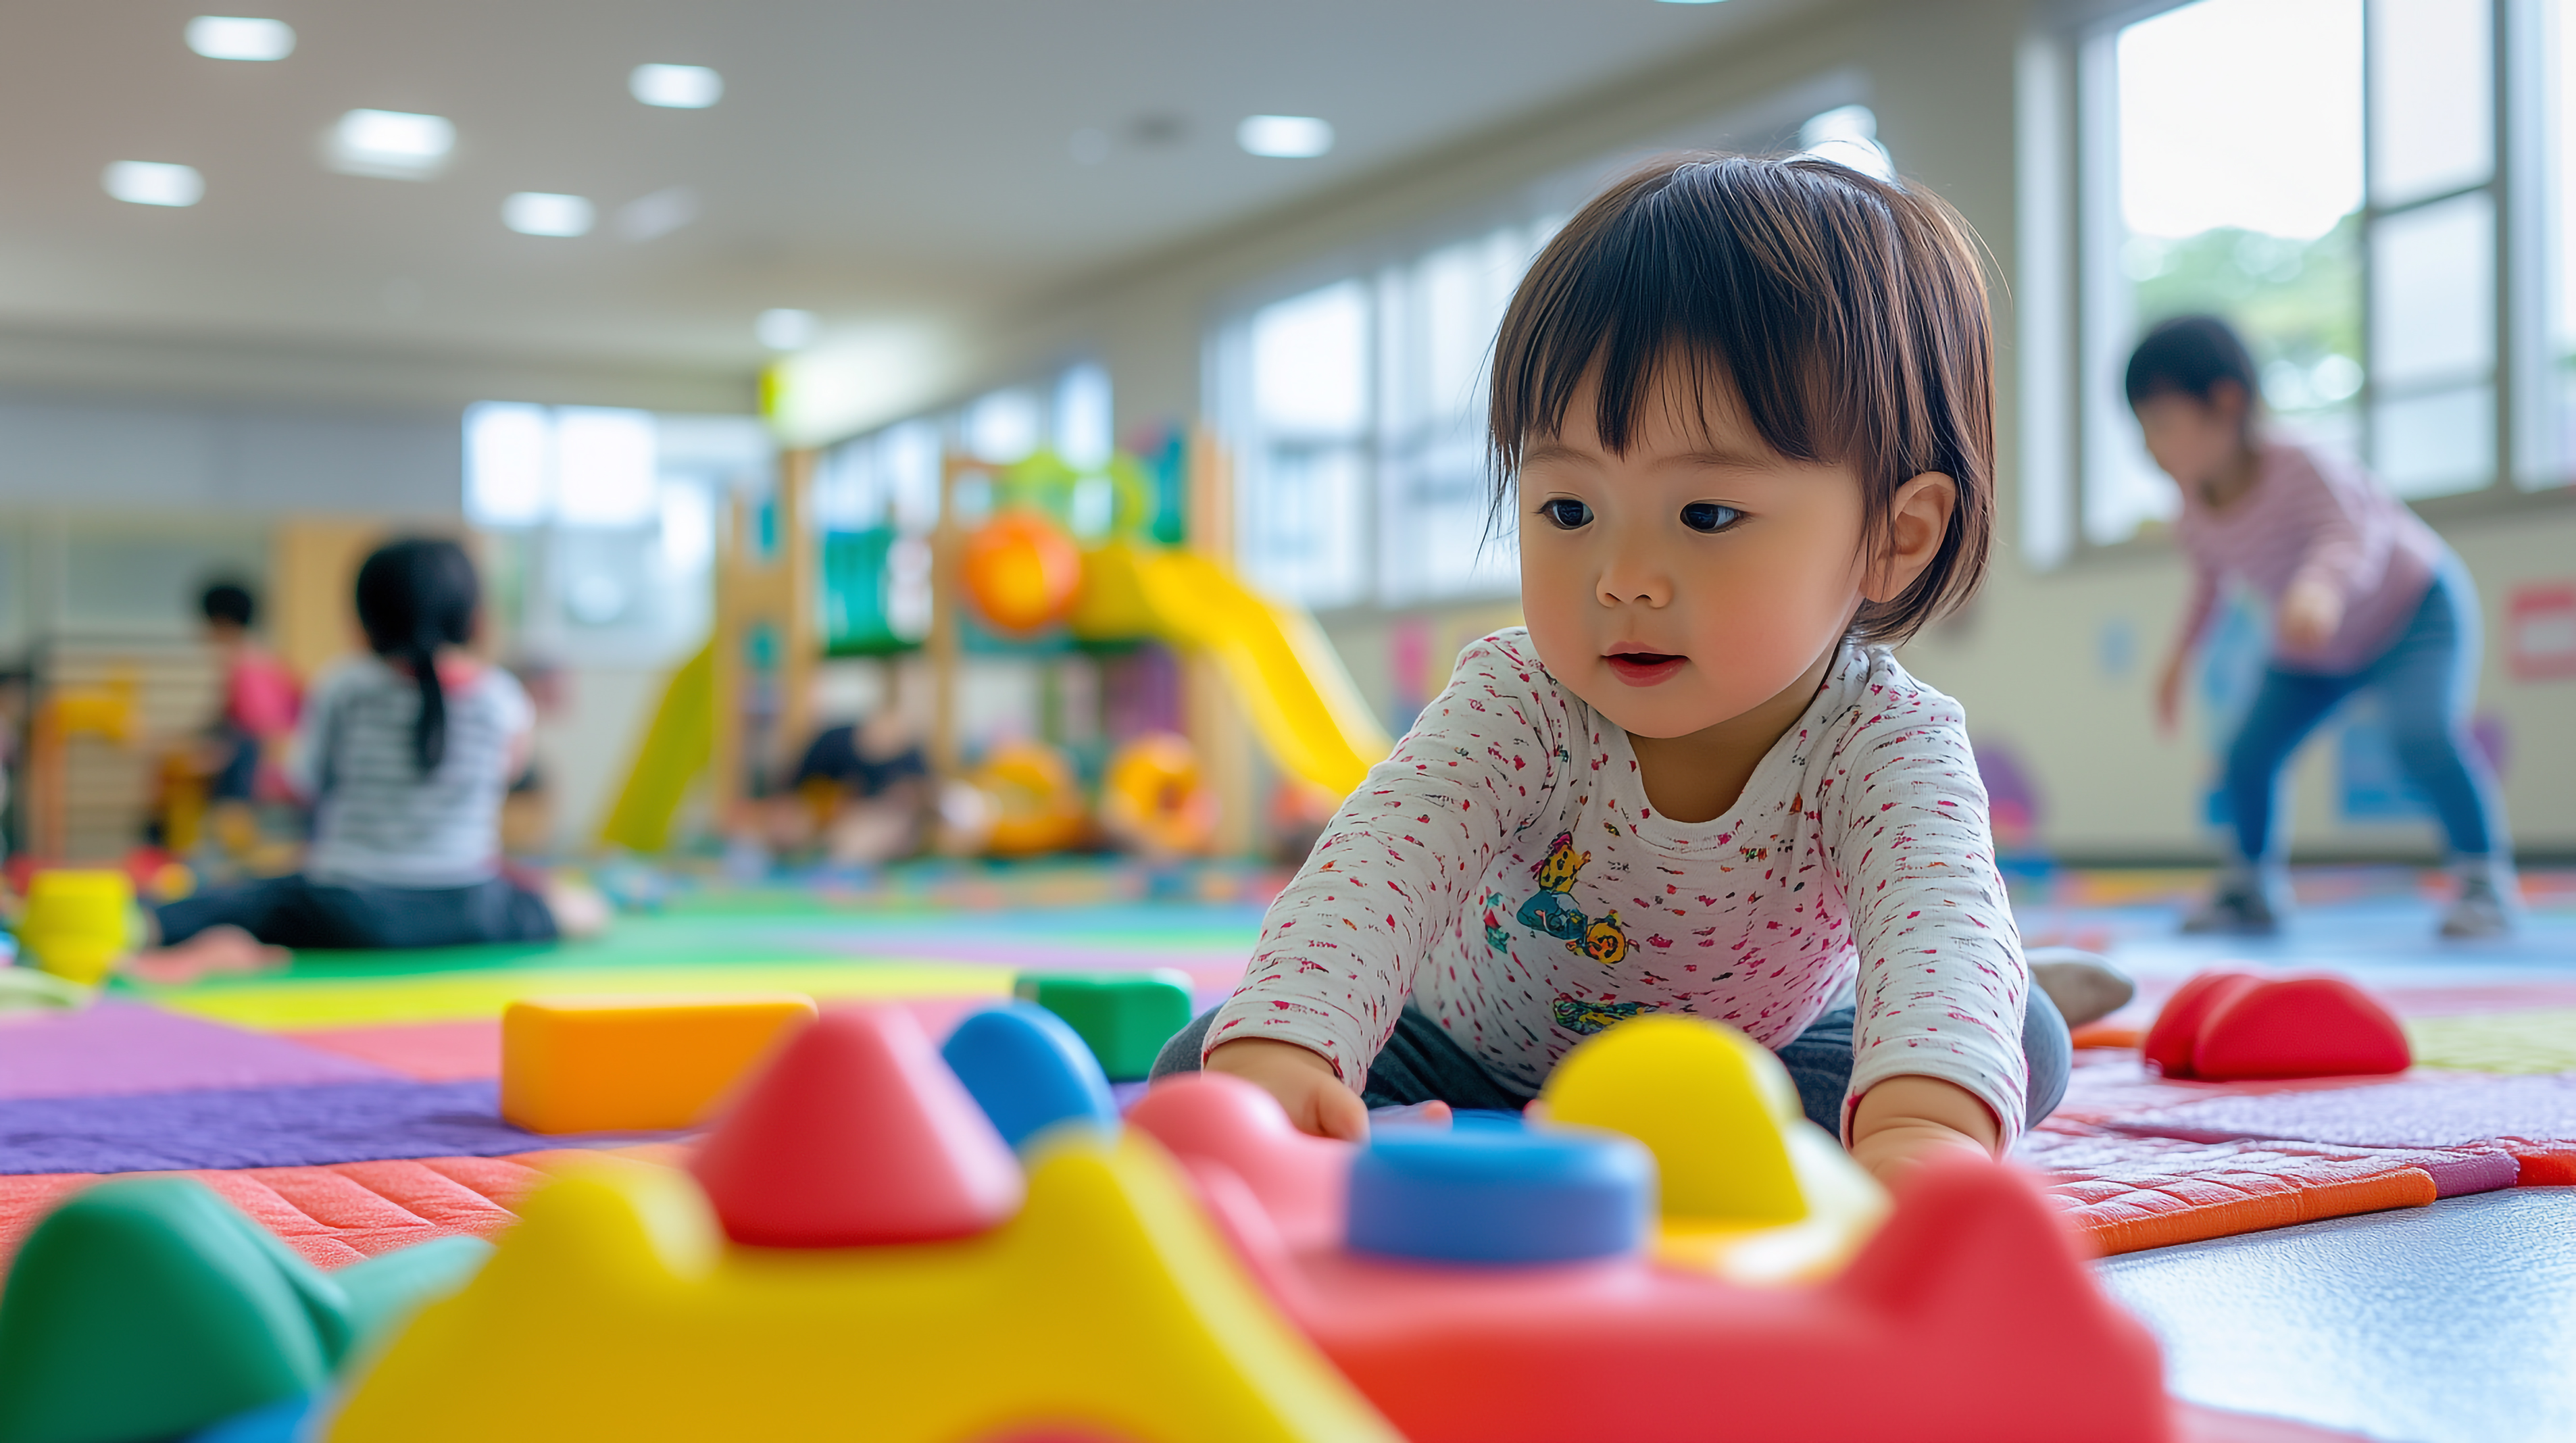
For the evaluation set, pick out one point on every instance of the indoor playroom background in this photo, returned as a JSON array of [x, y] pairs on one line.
[[968, 490]]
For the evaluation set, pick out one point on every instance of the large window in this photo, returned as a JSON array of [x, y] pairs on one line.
[[2369, 196], [1356, 401]]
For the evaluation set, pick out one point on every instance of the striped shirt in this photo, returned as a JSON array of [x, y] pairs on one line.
[[376, 819], [2313, 514], [1504, 872]]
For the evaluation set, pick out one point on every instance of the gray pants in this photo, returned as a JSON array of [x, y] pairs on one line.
[[1421, 1063]]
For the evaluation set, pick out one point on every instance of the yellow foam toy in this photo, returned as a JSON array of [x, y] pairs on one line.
[[616, 1309], [630, 1063], [1751, 1189], [78, 922]]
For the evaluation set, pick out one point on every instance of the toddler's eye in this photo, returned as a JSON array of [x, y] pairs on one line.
[[1566, 514], [1709, 516]]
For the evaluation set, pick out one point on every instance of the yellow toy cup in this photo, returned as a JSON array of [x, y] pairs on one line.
[[78, 922]]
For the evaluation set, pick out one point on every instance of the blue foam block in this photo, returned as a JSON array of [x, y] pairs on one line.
[[1029, 1071]]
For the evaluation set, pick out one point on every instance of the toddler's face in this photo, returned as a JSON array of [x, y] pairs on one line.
[[1690, 580]]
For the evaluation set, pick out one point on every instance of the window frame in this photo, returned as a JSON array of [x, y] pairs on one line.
[[2067, 153]]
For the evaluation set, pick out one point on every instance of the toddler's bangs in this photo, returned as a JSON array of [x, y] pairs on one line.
[[1845, 314]]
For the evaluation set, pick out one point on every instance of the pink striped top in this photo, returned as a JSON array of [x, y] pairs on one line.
[[2313, 513]]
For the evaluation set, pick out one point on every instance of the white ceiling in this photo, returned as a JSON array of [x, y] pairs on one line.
[[875, 162]]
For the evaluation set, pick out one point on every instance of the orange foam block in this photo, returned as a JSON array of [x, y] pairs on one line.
[[618, 1064]]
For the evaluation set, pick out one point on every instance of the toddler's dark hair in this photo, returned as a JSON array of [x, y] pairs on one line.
[[1847, 313], [2189, 356], [415, 596], [229, 601]]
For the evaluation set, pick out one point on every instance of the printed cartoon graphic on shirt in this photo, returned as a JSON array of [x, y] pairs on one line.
[[1604, 941], [1585, 1017], [1549, 909], [1497, 936]]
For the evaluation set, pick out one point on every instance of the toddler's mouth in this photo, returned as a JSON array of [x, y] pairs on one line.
[[1643, 668]]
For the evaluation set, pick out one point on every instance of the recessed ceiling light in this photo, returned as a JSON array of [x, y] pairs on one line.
[[538, 212], [395, 144], [1288, 137], [239, 37], [786, 329], [152, 182], [676, 87], [651, 217]]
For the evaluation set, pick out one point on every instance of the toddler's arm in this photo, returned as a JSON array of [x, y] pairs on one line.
[[1392, 871], [1942, 980]]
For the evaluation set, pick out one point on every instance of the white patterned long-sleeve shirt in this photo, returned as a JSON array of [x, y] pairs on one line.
[[1505, 873]]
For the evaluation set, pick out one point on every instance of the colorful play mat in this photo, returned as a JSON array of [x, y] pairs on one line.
[[349, 1102]]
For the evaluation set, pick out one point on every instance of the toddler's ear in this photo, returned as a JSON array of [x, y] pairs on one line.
[[1918, 517]]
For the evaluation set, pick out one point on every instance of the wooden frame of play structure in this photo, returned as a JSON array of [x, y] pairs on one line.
[[1255, 672]]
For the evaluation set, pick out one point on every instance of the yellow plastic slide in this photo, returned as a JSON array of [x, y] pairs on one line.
[[676, 748], [1304, 706]]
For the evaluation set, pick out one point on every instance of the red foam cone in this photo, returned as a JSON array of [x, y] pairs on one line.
[[2169, 1043], [857, 1134], [2299, 1027]]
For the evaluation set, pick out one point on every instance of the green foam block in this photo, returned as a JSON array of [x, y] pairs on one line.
[[148, 1307], [1125, 1017]]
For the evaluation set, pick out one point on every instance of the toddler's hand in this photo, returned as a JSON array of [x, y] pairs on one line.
[[1303, 1081], [2310, 612]]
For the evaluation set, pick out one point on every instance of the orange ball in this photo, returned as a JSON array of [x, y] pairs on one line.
[[1022, 571]]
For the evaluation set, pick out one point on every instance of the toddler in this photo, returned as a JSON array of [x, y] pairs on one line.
[[2364, 597], [404, 756], [1743, 410]]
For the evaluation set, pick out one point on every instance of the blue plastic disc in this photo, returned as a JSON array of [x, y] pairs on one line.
[[1501, 1195]]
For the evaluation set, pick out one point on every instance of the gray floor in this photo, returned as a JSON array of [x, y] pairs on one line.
[[2449, 1324]]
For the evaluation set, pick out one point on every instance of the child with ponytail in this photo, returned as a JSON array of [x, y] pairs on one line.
[[405, 755]]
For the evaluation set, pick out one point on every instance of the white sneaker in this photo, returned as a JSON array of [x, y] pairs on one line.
[[2485, 904], [2084, 985]]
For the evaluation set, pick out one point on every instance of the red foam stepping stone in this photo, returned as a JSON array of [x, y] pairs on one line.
[[856, 1135], [2298, 1027], [2169, 1043]]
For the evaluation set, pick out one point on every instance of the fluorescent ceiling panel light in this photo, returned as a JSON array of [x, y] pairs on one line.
[[151, 182], [240, 37], [651, 217], [785, 328], [676, 87], [537, 212], [1287, 137], [394, 144]]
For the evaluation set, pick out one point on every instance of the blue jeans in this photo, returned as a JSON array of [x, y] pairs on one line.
[[1422, 1063], [2425, 680]]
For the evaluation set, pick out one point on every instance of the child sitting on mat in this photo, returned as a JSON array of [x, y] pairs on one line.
[[1744, 410], [2364, 598], [404, 756]]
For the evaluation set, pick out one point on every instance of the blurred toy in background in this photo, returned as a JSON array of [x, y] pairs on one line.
[[859, 795], [1022, 570], [1024, 801], [1153, 800]]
